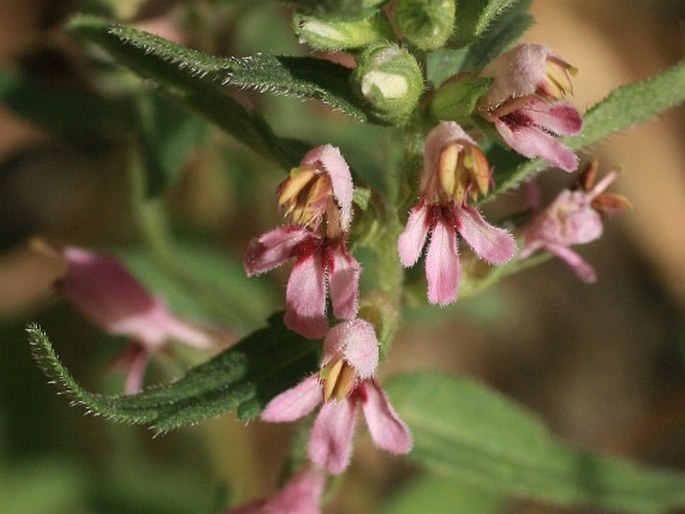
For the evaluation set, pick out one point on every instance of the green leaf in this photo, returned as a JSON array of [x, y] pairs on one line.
[[169, 136], [241, 379], [66, 111], [503, 31], [192, 78], [474, 17], [467, 432], [439, 495], [184, 69], [203, 282], [624, 107], [443, 63]]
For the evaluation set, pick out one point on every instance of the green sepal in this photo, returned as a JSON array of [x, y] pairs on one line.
[[467, 432], [241, 379], [457, 98], [331, 35], [426, 24]]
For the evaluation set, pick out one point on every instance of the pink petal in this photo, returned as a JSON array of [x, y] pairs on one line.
[[305, 298], [301, 495], [517, 73], [333, 163], [557, 117], [108, 294], [387, 430], [343, 281], [440, 136], [103, 289], [330, 443], [273, 248], [442, 265], [356, 340], [582, 227], [493, 244], [136, 373], [533, 142], [295, 402], [581, 268], [412, 239]]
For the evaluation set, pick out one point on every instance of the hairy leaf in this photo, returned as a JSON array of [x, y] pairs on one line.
[[503, 31], [474, 17], [241, 379], [191, 78], [468, 432], [301, 77], [624, 107]]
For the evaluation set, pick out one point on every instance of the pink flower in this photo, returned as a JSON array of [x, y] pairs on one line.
[[301, 495], [317, 197], [574, 217], [454, 169], [350, 358], [102, 289], [523, 103]]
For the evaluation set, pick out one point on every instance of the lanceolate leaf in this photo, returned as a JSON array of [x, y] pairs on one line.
[[242, 379], [467, 432], [474, 17], [624, 107], [503, 31], [191, 78], [302, 77]]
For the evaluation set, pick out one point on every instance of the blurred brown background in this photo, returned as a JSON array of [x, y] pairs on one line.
[[603, 364]]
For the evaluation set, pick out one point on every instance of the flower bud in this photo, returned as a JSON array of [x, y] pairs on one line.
[[331, 34], [389, 79], [426, 24]]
